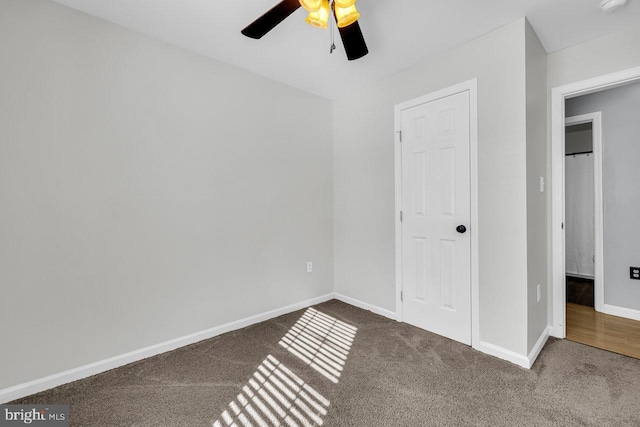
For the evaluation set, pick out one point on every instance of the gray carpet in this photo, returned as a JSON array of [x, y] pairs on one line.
[[392, 375]]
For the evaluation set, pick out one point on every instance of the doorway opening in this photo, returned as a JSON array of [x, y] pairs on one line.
[[594, 206], [579, 209], [583, 210]]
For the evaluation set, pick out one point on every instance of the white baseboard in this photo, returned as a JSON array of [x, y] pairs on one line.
[[629, 313], [537, 348], [512, 356], [504, 354], [366, 306], [42, 384], [556, 332]]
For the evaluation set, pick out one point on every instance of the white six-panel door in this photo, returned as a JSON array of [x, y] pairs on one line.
[[436, 257]]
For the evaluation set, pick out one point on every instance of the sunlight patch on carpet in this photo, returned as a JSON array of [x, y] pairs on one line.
[[275, 396], [321, 341]]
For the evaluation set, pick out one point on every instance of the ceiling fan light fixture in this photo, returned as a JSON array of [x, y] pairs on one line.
[[351, 35], [610, 6], [311, 5], [319, 18], [346, 16], [345, 3]]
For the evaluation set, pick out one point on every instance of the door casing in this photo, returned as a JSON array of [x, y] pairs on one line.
[[558, 97], [472, 87]]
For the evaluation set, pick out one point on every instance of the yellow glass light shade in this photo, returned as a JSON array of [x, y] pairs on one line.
[[346, 15], [345, 3], [311, 5], [320, 18]]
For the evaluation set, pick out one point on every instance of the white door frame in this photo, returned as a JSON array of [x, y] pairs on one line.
[[472, 87], [558, 97], [595, 119]]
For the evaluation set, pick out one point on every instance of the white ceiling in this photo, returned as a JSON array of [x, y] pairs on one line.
[[399, 33]]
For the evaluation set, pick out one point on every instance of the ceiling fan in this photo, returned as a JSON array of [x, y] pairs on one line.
[[344, 12]]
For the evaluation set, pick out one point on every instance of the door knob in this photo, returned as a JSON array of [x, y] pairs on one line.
[[461, 229]]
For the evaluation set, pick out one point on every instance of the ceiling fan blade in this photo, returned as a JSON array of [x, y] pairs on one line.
[[352, 40], [270, 19]]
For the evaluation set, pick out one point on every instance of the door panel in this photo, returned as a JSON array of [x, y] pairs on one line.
[[421, 269], [436, 259]]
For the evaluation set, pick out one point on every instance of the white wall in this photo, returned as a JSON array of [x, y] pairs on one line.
[[537, 270], [364, 180], [146, 192], [615, 52], [620, 109], [609, 54]]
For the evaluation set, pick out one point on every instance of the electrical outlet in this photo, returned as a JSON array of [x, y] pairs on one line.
[[634, 273], [309, 267], [539, 292]]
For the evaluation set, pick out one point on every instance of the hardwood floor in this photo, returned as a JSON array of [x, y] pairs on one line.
[[617, 334]]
